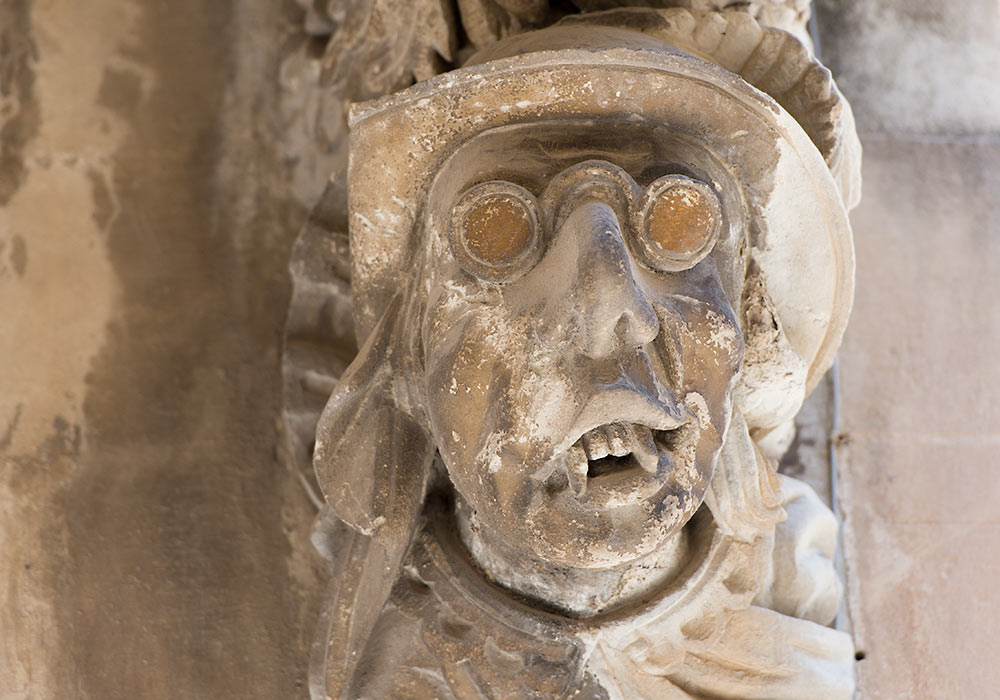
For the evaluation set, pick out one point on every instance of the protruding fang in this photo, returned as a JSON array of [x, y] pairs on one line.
[[644, 448], [576, 464], [617, 436], [595, 443], [608, 449]]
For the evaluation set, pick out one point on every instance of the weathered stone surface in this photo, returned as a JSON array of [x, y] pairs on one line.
[[918, 472], [808, 453], [918, 68], [919, 374], [541, 468], [151, 544]]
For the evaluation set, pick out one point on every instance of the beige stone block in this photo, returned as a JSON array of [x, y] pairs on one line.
[[900, 470], [928, 621], [918, 476], [920, 352], [151, 546], [922, 68]]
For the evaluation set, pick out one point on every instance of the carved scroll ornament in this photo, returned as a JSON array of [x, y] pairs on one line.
[[588, 272]]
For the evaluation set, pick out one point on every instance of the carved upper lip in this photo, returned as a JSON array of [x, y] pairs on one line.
[[624, 406]]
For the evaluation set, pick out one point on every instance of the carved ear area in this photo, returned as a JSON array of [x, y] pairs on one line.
[[744, 496], [372, 459], [773, 381]]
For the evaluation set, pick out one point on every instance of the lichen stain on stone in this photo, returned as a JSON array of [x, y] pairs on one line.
[[177, 481], [13, 257], [19, 113], [19, 255], [121, 91], [8, 434], [57, 302], [31, 474], [104, 207]]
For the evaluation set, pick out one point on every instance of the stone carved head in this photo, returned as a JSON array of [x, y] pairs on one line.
[[574, 261]]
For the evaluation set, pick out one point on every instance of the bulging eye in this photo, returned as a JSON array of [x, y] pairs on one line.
[[676, 222], [494, 231]]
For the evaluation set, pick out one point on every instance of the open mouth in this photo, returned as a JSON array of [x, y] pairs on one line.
[[615, 463]]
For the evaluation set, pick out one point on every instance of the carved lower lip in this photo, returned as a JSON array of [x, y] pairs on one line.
[[622, 487]]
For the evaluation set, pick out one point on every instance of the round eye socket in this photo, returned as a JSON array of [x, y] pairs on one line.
[[677, 222], [494, 231]]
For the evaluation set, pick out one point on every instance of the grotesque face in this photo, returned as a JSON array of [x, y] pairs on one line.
[[580, 342]]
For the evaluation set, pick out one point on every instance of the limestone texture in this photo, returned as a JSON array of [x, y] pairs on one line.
[[151, 543], [156, 163], [918, 420]]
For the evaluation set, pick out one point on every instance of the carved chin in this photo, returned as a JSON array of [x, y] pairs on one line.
[[624, 508]]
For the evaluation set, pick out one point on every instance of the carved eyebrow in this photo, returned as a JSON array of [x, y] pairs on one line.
[[552, 148], [529, 180], [652, 173]]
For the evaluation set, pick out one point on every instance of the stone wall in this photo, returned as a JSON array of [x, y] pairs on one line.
[[920, 416], [150, 544], [146, 218]]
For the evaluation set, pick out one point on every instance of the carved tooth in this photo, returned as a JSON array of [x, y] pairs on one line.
[[618, 442], [644, 448], [595, 443], [575, 461]]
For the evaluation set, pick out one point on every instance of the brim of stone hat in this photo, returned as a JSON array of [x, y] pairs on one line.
[[799, 232]]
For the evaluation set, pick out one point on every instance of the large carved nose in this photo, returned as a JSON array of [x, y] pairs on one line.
[[614, 310]]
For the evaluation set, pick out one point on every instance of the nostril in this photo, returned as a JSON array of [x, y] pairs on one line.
[[622, 327], [637, 324], [641, 324]]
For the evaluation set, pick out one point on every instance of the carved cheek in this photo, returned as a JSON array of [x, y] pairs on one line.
[[461, 387], [713, 352], [471, 354], [722, 338]]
